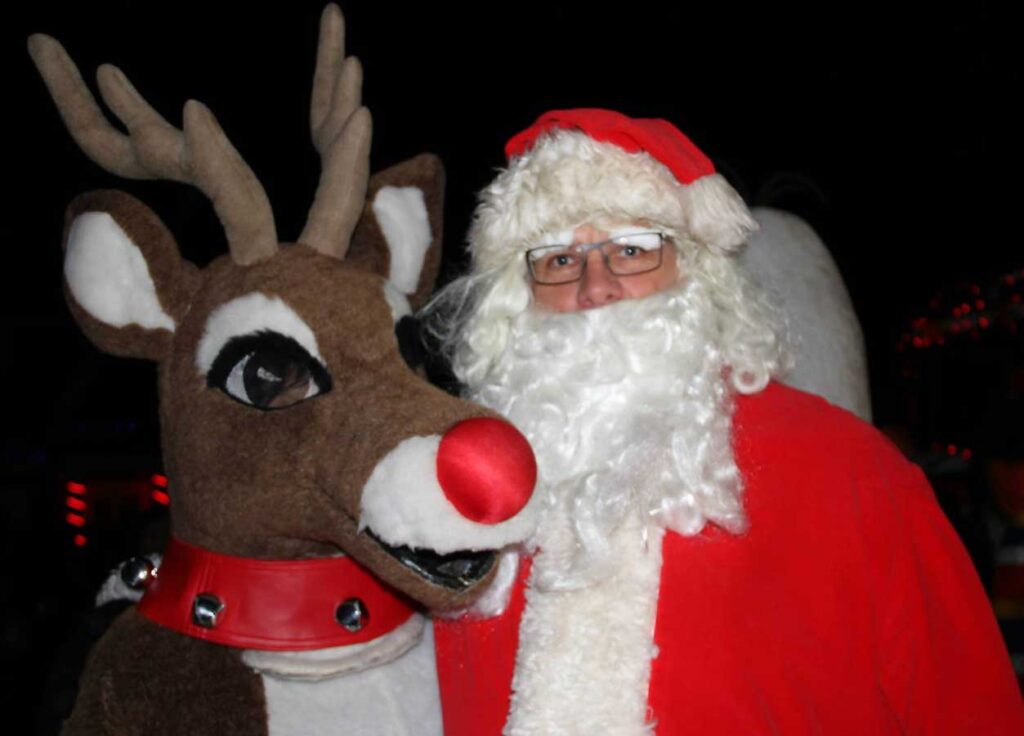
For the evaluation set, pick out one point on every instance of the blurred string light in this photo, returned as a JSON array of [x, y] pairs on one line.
[[79, 501], [968, 311], [78, 508], [159, 492]]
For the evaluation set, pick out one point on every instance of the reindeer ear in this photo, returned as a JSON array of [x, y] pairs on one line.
[[399, 234], [124, 279]]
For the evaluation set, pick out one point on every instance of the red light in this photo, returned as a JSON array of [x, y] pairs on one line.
[[918, 342], [161, 498], [967, 454], [75, 519], [160, 481], [80, 540], [1009, 279], [76, 503], [983, 323], [965, 308], [77, 488], [957, 313], [979, 304], [950, 450]]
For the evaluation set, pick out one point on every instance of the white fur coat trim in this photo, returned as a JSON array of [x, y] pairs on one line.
[[584, 658]]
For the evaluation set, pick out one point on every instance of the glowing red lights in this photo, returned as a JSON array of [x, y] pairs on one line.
[[76, 503], [159, 493], [966, 454], [75, 519], [78, 489], [80, 540], [951, 450], [983, 323]]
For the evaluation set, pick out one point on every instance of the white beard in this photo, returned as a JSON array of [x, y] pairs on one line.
[[628, 410]]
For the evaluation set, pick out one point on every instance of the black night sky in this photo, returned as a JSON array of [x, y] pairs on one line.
[[892, 131]]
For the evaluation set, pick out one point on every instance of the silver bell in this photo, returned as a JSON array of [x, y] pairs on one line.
[[137, 572], [205, 609], [352, 615]]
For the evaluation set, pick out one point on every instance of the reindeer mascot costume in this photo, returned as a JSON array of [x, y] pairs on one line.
[[322, 490]]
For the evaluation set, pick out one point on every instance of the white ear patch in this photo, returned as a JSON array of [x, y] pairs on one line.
[[402, 215], [108, 276], [246, 315]]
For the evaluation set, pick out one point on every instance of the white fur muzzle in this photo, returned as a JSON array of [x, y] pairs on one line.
[[403, 504]]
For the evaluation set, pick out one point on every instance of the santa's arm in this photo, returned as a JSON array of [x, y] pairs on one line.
[[943, 664]]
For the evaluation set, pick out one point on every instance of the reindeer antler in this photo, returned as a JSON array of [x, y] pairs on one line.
[[200, 154], [341, 129]]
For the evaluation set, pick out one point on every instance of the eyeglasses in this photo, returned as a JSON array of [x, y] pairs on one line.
[[624, 255]]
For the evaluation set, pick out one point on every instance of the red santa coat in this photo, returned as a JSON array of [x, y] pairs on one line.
[[850, 607]]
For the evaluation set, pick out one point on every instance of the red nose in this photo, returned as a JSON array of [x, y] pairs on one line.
[[486, 469]]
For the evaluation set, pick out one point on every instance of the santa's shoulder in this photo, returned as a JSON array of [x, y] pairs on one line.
[[782, 421]]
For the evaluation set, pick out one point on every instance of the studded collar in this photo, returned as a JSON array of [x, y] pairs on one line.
[[274, 605]]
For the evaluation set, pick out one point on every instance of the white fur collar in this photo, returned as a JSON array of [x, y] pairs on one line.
[[321, 664]]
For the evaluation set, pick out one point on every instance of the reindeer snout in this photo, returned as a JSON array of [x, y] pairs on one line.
[[486, 469]]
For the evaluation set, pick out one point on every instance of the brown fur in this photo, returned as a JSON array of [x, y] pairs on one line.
[[281, 484], [147, 679]]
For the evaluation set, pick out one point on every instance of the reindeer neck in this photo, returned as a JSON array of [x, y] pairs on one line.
[[274, 605]]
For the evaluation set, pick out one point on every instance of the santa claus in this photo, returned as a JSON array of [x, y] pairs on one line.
[[718, 553]]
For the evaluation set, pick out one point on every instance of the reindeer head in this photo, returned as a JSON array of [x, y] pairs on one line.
[[291, 425]]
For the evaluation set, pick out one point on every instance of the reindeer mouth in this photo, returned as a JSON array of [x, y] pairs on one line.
[[455, 571]]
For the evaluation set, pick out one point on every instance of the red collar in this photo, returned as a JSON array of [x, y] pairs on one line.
[[278, 605]]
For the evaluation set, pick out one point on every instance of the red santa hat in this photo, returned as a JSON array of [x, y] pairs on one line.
[[601, 167]]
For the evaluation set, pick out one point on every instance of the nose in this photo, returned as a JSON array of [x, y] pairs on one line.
[[486, 469], [599, 286]]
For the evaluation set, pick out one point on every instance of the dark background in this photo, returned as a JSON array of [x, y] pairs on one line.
[[892, 131]]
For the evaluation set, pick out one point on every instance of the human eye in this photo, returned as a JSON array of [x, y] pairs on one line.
[[560, 260]]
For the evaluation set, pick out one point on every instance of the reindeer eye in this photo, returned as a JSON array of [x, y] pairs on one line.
[[268, 371]]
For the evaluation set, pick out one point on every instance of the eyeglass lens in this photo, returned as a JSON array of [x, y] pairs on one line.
[[625, 256]]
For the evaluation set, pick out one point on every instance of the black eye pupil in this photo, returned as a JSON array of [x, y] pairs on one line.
[[273, 380], [267, 370]]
